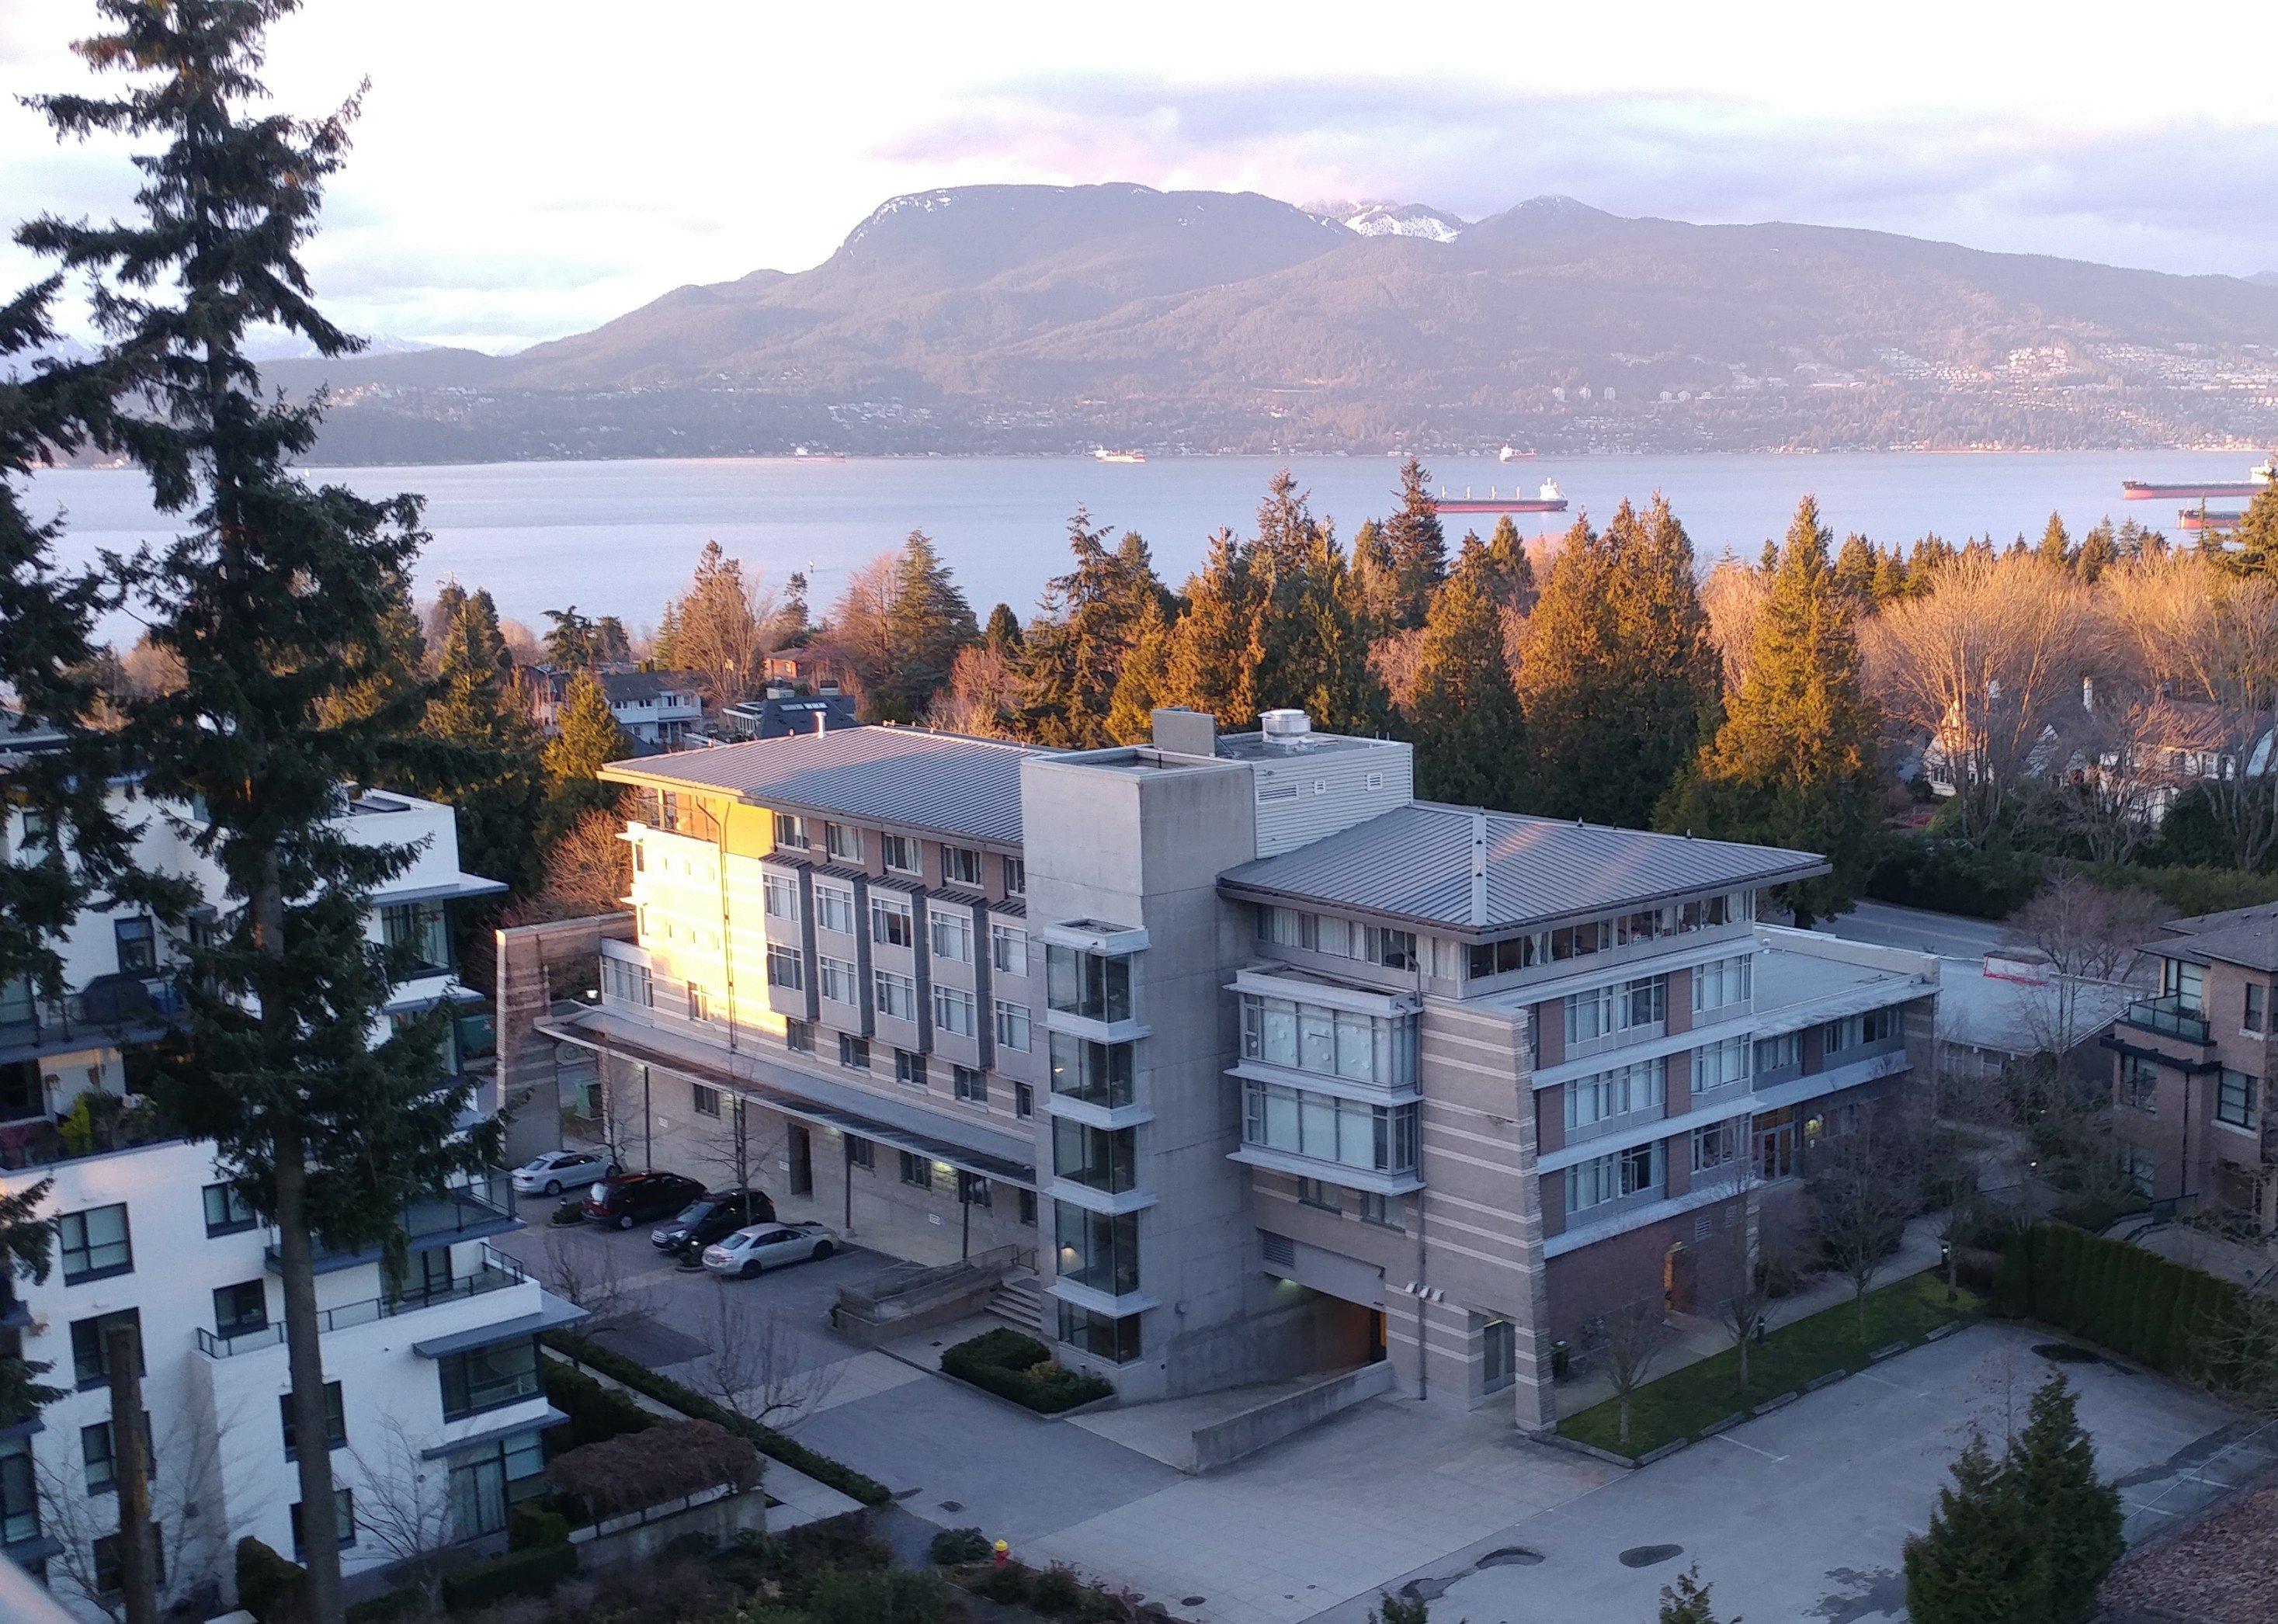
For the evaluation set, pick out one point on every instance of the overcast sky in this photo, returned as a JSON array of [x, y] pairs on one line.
[[523, 171]]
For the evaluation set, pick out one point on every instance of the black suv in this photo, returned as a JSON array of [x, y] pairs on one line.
[[713, 1217], [627, 1199]]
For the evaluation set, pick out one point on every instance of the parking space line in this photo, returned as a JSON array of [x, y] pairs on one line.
[[1751, 1448]]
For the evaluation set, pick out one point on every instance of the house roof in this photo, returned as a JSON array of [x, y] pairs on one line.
[[906, 776], [2244, 936], [1415, 862]]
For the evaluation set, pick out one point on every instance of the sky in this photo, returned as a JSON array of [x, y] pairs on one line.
[[522, 171]]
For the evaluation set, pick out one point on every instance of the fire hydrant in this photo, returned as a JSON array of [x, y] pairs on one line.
[[1003, 1549]]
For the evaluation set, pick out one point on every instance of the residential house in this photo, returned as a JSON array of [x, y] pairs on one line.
[[658, 710]]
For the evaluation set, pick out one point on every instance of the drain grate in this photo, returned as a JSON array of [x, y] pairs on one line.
[[1645, 1556], [2066, 1353]]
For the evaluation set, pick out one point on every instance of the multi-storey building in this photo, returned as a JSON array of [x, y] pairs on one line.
[[433, 1372], [1274, 1067], [2191, 1068], [658, 710]]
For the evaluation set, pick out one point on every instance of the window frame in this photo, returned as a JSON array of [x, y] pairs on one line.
[[232, 1199], [88, 1269]]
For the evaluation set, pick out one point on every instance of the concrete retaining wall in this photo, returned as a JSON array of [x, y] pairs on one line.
[[1225, 1442]]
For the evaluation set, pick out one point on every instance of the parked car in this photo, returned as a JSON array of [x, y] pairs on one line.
[[560, 1170], [625, 1199], [712, 1216], [768, 1246]]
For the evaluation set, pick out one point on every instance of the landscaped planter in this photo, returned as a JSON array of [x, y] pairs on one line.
[[1019, 1367]]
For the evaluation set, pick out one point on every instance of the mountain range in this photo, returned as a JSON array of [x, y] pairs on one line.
[[1029, 318]]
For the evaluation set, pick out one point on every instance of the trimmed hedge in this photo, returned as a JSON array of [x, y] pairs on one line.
[[2136, 1302], [1018, 1367], [532, 1571], [272, 1589], [769, 1442], [597, 1413], [1955, 876]]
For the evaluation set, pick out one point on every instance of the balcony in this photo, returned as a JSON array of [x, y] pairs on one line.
[[110, 1012], [2171, 1017], [495, 1273], [482, 1206]]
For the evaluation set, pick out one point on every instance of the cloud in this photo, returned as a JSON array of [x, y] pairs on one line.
[[2189, 192]]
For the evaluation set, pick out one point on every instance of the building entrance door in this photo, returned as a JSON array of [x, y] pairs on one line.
[[801, 1157], [1679, 1279]]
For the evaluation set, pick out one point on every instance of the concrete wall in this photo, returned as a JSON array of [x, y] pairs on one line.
[[536, 965], [1223, 1442]]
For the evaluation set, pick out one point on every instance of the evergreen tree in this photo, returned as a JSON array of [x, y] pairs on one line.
[[1073, 649], [1794, 764], [1003, 632], [1309, 636], [1569, 643], [1417, 548], [2099, 550], [2056, 544], [1685, 1601], [1212, 665], [570, 642], [2257, 537], [794, 624], [926, 621], [1976, 1564], [489, 773], [1891, 582], [1374, 576], [2074, 1515], [1465, 716], [1141, 685], [1855, 567], [435, 625], [272, 597], [587, 737], [1510, 572], [613, 644]]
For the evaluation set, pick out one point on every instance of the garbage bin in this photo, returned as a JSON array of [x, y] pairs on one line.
[[1558, 1355]]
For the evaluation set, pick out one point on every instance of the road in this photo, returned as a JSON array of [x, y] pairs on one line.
[[1953, 935]]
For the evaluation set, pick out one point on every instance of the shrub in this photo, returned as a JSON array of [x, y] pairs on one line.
[[1019, 1367], [530, 1525], [1955, 876], [532, 1571], [1056, 1591], [597, 1413], [388, 1609], [894, 1596], [272, 1589], [2134, 1302], [769, 1442], [954, 1546], [1008, 1584]]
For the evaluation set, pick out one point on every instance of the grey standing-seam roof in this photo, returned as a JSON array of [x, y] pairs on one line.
[[943, 782], [1415, 862]]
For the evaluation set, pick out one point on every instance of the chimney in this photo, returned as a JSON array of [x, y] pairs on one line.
[[1181, 732], [822, 720], [1479, 868]]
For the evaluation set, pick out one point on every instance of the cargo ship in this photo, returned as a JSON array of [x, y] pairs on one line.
[[1547, 500], [1105, 455], [2257, 480], [2207, 519], [1515, 454]]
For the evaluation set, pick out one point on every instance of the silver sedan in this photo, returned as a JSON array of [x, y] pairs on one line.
[[768, 1246]]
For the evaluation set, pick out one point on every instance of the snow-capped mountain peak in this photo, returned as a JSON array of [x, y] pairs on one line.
[[1381, 220]]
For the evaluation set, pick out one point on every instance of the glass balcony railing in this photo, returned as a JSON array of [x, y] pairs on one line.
[[2170, 1017], [495, 1273], [484, 1205]]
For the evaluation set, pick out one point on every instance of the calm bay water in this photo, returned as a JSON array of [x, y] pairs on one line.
[[620, 537]]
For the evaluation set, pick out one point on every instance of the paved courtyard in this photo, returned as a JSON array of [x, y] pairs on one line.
[[1798, 1515]]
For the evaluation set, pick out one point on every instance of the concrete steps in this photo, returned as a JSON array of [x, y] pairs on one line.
[[1020, 1301]]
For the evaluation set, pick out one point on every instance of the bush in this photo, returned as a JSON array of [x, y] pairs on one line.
[[1955, 876], [1008, 1584], [530, 1525], [2188, 891], [388, 1609], [1019, 1367], [952, 1547], [532, 1571], [1056, 1591], [272, 1589], [597, 1413], [895, 1595], [2134, 1302], [770, 1443]]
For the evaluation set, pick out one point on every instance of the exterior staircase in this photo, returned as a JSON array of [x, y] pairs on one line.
[[1019, 1300]]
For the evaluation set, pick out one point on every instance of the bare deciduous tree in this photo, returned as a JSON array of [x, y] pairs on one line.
[[758, 1367], [982, 695], [2239, 1352], [403, 1503], [1630, 1338], [588, 871], [186, 1498], [1864, 1186], [586, 1272], [1762, 1257], [1733, 597], [721, 627], [2085, 934], [736, 1147]]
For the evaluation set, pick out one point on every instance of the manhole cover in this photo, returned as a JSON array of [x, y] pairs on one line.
[[952, 1505], [1510, 1556], [1645, 1556], [2065, 1354], [1192, 1601]]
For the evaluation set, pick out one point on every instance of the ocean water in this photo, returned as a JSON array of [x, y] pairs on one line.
[[621, 538]]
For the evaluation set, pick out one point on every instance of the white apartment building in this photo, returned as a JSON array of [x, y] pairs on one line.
[[434, 1373]]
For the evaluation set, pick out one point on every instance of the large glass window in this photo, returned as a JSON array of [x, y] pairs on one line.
[[2139, 1082], [628, 983], [892, 921], [228, 1211], [1351, 1132], [960, 866], [488, 1378], [900, 852], [20, 1493], [1093, 985], [952, 935], [93, 1243], [1102, 1159], [241, 1308], [138, 945], [91, 1345], [1306, 1037], [1720, 1065], [1116, 1340], [1607, 1095], [1097, 1250], [98, 1451], [1777, 1054], [1606, 1179], [834, 909], [785, 968], [843, 841], [1012, 1026], [1319, 932], [1722, 982], [1715, 1146], [336, 1420], [1096, 1073], [790, 831], [1008, 948], [897, 994], [2185, 983], [955, 1011], [1498, 1355], [420, 929], [487, 1480], [835, 978], [2236, 1099], [782, 896]]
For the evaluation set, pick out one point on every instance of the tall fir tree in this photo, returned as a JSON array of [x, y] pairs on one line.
[[570, 640], [1685, 1601], [1794, 763], [1510, 572], [1417, 548], [1309, 633], [587, 737], [2073, 1513], [1212, 663], [489, 769], [1374, 577], [2257, 538], [272, 598], [1003, 632], [1143, 683], [2056, 550], [1465, 714], [1073, 649], [1569, 643], [1975, 1563], [1855, 567], [926, 622], [435, 624], [2099, 550]]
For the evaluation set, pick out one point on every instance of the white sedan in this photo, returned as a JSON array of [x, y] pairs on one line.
[[768, 1246], [559, 1169]]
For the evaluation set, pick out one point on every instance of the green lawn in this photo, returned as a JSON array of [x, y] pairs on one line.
[[1678, 1405]]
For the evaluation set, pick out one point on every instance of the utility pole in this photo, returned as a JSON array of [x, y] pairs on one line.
[[138, 1551]]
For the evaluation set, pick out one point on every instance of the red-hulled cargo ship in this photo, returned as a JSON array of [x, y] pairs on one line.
[[1548, 500], [2257, 480]]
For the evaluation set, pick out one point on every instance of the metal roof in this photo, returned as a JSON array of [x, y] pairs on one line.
[[2247, 937], [908, 777], [1415, 862]]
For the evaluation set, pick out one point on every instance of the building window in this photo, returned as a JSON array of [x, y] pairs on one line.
[[790, 831], [1604, 1011], [1095, 1249], [110, 1575], [1313, 1193], [1878, 1026], [101, 1459], [2255, 1018], [1016, 876], [834, 909], [1320, 933], [1104, 1159], [1012, 1026], [1115, 1340], [955, 1011], [1008, 949], [1609, 1179], [420, 933], [916, 1171], [892, 922], [1837, 1035], [1778, 1054], [900, 853], [488, 1481], [1715, 1146], [1721, 983], [20, 1493], [861, 1152], [1024, 1100], [1390, 1211], [782, 896], [799, 1037], [344, 1526], [910, 1068], [835, 979], [785, 968], [972, 1189], [1091, 986], [1351, 1132], [336, 1420], [489, 1379], [960, 866], [1029, 1207], [1720, 1065], [240, 1309], [228, 1211], [138, 946], [93, 1244], [1307, 1037], [2235, 1099], [2186, 984], [843, 841], [897, 994], [972, 1086], [853, 1052], [952, 935], [2142, 1171], [1096, 1073], [704, 1099], [2139, 1082], [1498, 1355], [630, 984], [1607, 1096], [91, 1345]]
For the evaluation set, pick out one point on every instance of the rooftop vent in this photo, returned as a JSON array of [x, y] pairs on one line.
[[1286, 728]]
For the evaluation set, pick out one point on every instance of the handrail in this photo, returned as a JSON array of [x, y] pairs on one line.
[[2169, 1016], [498, 1271]]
